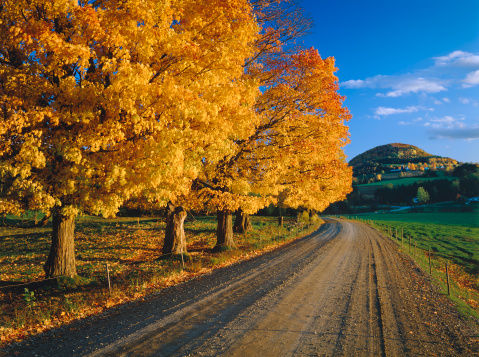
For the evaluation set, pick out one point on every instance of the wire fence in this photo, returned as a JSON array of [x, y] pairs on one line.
[[448, 276]]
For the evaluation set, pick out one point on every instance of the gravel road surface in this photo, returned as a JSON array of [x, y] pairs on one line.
[[341, 291]]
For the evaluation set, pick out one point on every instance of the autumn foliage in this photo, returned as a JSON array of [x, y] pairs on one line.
[[293, 154], [147, 102]]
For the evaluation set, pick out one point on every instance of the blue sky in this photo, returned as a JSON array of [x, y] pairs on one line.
[[409, 70]]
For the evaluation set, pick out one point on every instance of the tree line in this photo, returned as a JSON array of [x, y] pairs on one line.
[[465, 185], [438, 190], [179, 105]]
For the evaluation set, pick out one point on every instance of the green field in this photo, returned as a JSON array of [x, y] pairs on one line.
[[465, 219], [408, 181], [450, 236]]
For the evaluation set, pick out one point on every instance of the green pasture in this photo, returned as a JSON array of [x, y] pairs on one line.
[[452, 236], [408, 181], [465, 219]]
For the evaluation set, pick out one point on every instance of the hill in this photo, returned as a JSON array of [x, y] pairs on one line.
[[396, 156]]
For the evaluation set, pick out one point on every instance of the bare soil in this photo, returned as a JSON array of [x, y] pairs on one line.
[[343, 291]]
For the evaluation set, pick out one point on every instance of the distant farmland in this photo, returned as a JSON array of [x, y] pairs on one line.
[[370, 188], [408, 181]]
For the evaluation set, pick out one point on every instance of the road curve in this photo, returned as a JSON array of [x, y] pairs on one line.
[[341, 291]]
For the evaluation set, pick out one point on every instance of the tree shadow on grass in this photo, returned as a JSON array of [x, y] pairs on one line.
[[198, 231]]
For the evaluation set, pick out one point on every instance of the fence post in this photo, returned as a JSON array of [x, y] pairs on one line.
[[430, 268], [447, 279], [415, 250], [108, 278], [409, 244]]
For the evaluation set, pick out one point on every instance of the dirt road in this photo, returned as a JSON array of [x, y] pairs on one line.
[[342, 291]]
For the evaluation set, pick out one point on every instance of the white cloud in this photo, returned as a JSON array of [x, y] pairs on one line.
[[467, 101], [354, 84], [446, 122], [458, 58], [448, 71], [410, 122], [400, 85], [415, 85], [371, 82], [472, 79], [389, 111], [441, 101]]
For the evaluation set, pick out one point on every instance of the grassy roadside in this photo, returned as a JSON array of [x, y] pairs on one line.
[[131, 248], [446, 238]]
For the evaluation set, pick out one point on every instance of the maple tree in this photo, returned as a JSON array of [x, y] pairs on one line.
[[103, 101], [293, 155]]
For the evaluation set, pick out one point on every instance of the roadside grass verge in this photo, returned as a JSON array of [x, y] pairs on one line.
[[447, 238], [132, 249]]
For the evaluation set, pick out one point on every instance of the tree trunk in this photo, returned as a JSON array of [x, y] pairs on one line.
[[175, 240], [280, 221], [61, 260], [242, 222], [224, 231]]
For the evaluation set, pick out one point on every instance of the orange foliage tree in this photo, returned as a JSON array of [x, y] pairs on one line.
[[102, 101], [294, 154]]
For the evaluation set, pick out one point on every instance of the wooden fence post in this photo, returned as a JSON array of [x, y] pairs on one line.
[[108, 278], [447, 279], [430, 268]]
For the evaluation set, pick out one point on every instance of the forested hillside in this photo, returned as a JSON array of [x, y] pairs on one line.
[[394, 157]]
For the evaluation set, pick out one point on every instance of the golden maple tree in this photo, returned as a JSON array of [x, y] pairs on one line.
[[294, 154], [106, 100]]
